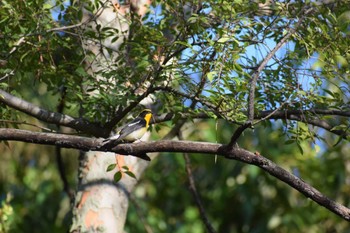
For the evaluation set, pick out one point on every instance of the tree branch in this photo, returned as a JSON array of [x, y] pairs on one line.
[[196, 196], [297, 115], [256, 74], [121, 113], [326, 112], [62, 174], [290, 179], [51, 117], [58, 151], [84, 143], [314, 122], [264, 62], [238, 132], [280, 114]]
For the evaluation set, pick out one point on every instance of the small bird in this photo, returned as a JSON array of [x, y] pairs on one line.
[[134, 130]]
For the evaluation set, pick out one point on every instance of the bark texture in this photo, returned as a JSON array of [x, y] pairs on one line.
[[100, 204]]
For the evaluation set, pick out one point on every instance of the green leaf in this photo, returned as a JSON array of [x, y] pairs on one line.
[[341, 60], [114, 39], [300, 148], [81, 71], [328, 92], [183, 43], [117, 176], [193, 19], [111, 167], [129, 173], [223, 40], [126, 168], [289, 142], [340, 138], [47, 6], [340, 127], [211, 75]]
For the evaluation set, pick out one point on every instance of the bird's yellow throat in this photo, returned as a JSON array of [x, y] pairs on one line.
[[148, 118]]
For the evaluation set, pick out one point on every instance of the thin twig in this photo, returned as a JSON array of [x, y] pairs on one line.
[[176, 129], [195, 194], [188, 96], [140, 214], [58, 152], [270, 114], [62, 173], [325, 112], [11, 73], [280, 114], [26, 123], [138, 208], [68, 26]]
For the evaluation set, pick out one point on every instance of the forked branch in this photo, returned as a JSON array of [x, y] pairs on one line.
[[49, 116], [257, 72]]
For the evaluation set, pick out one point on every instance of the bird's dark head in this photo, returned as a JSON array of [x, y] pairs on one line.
[[146, 113]]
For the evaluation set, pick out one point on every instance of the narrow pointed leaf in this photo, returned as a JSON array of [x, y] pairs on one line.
[[111, 167], [117, 176]]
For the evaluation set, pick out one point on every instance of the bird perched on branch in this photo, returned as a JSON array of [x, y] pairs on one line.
[[132, 131]]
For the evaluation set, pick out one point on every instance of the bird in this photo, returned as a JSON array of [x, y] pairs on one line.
[[135, 129], [132, 131]]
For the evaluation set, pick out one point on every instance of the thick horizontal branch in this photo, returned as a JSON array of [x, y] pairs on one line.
[[62, 140], [84, 143], [51, 117]]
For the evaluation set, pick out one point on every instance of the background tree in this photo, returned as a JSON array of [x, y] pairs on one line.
[[267, 80]]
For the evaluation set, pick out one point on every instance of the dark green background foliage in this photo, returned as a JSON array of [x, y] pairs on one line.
[[223, 48], [242, 198]]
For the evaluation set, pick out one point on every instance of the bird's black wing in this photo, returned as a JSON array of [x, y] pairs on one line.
[[134, 125]]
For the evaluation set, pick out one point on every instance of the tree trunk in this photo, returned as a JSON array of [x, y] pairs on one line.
[[100, 204]]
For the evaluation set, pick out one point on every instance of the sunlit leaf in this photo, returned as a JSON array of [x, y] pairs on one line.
[[223, 39], [211, 75]]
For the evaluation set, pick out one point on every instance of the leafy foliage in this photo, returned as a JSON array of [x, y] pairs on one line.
[[241, 198], [118, 175]]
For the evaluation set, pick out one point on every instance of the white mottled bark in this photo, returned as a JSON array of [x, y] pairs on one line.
[[100, 204]]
